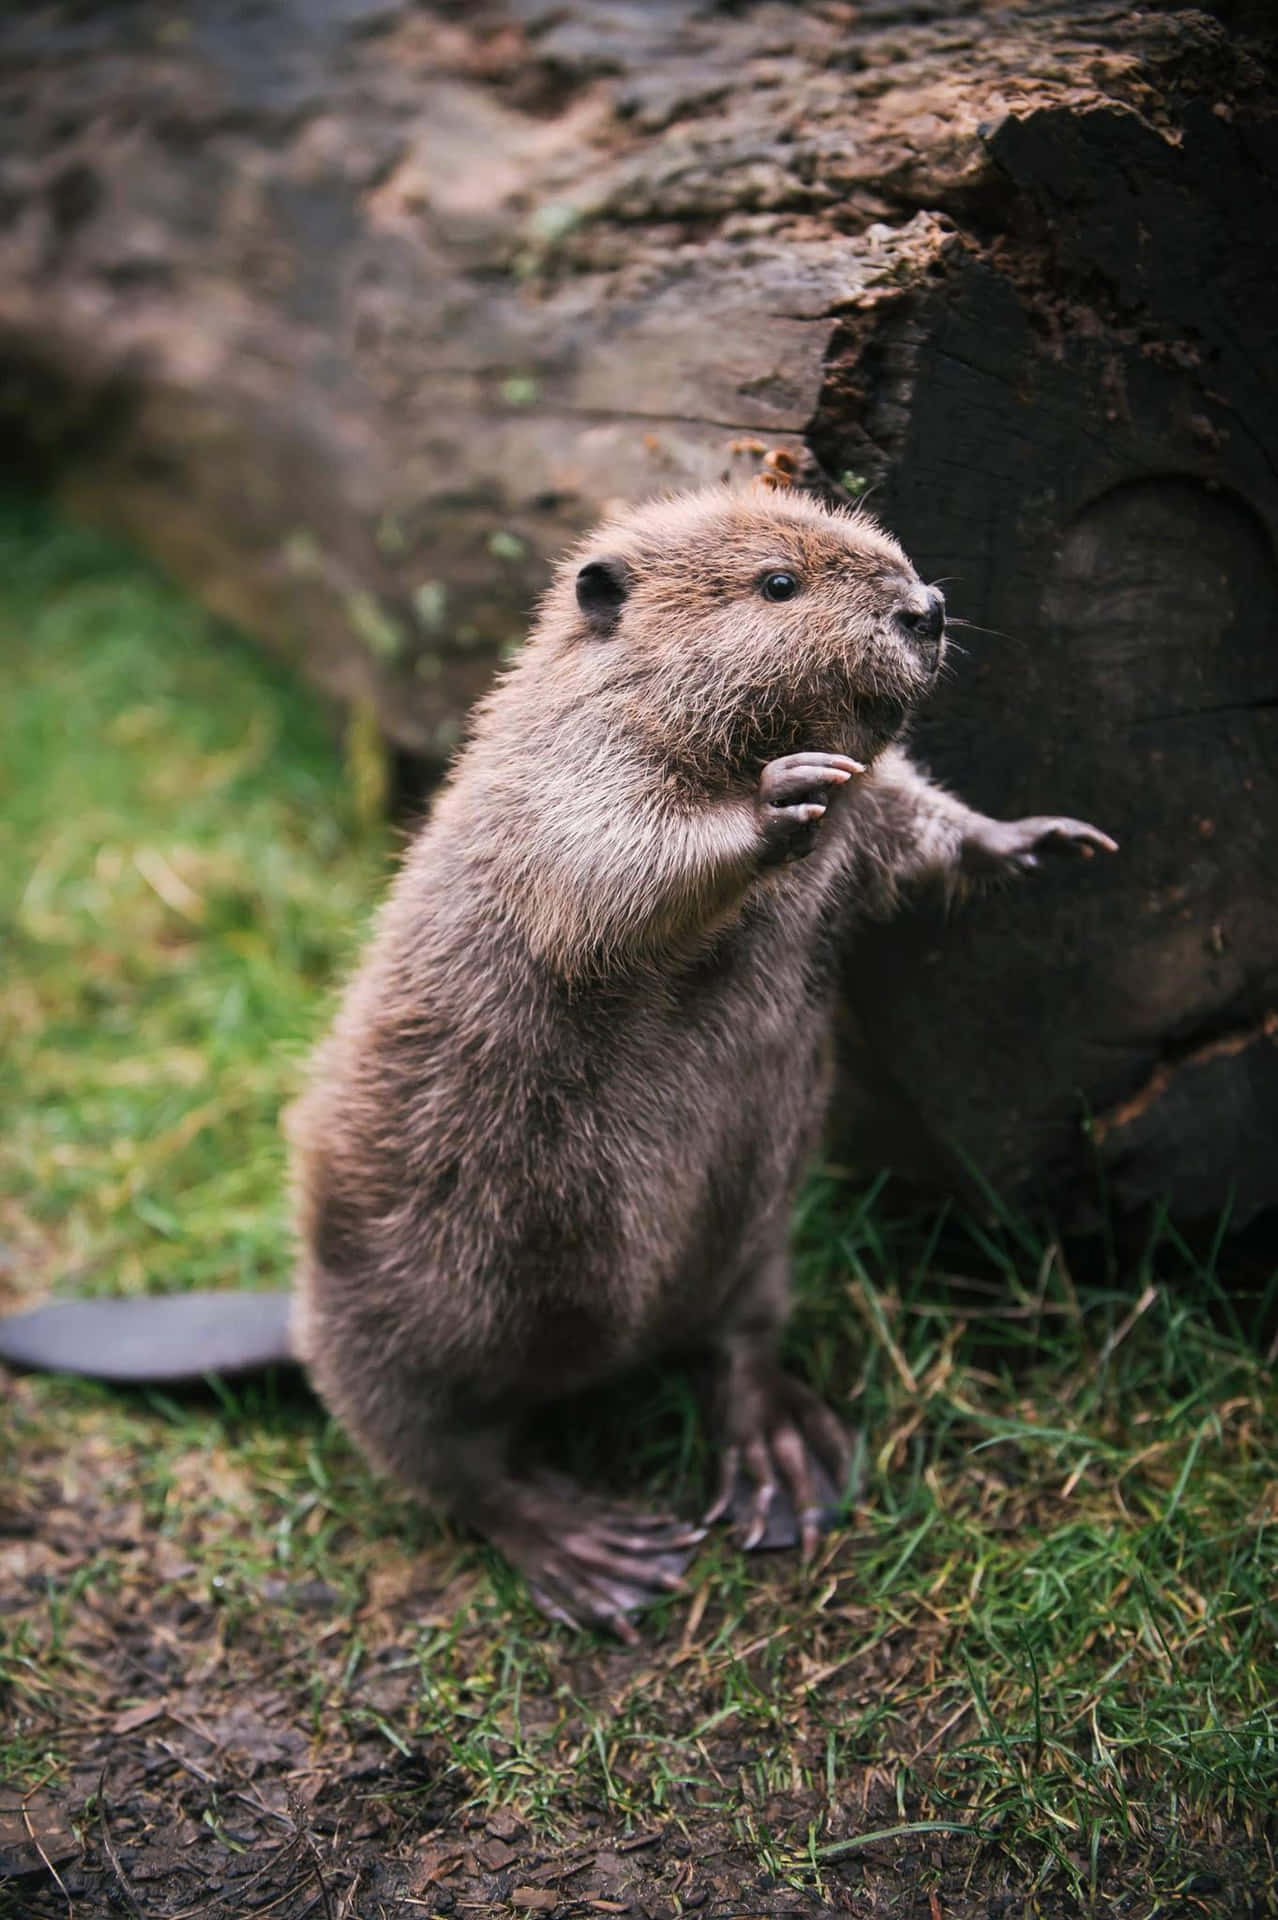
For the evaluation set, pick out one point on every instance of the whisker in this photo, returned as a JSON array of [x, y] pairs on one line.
[[956, 620]]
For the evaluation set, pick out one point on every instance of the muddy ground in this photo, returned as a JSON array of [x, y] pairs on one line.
[[236, 1748]]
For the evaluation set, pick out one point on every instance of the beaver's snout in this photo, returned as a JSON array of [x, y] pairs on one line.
[[921, 618]]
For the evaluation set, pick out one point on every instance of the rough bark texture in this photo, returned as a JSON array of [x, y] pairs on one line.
[[351, 313]]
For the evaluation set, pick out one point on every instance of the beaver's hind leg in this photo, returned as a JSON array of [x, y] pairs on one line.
[[587, 1563], [786, 1463], [394, 1385]]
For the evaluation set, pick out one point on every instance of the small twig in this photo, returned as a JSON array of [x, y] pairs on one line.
[[285, 1852], [641, 1840], [941, 1731], [562, 1869], [169, 886], [871, 1307], [49, 1866], [1121, 1331], [192, 1767], [116, 1863], [348, 1898], [280, 1898], [304, 1836]]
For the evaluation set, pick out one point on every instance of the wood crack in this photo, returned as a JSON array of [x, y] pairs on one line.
[[1139, 1103]]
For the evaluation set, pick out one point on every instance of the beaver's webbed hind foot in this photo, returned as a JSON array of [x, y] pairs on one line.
[[587, 1563], [786, 1467]]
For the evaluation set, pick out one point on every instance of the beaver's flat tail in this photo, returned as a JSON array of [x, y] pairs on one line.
[[152, 1337]]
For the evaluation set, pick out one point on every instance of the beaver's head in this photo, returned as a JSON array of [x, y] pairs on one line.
[[735, 626]]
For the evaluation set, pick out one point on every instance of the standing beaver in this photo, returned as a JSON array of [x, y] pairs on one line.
[[558, 1124]]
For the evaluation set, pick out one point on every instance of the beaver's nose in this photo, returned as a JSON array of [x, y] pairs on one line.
[[923, 617]]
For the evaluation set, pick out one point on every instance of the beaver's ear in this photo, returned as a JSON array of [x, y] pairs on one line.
[[602, 586]]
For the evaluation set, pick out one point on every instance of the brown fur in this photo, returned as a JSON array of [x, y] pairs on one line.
[[560, 1118]]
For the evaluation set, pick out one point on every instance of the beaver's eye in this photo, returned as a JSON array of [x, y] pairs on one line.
[[779, 586]]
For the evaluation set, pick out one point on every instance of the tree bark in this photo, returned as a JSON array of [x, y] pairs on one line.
[[352, 315]]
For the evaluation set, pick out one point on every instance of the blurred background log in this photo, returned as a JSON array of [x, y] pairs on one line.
[[352, 314]]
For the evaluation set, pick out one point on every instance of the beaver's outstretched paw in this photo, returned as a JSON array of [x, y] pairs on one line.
[[1021, 845]]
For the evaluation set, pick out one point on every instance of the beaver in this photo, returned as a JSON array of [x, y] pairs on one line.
[[559, 1121]]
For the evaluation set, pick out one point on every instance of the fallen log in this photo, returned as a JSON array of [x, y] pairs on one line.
[[352, 316]]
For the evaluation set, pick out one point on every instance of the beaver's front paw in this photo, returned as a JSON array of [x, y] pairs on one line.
[[1017, 846], [793, 795]]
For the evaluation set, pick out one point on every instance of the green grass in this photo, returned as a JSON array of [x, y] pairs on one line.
[[178, 883], [1052, 1622]]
